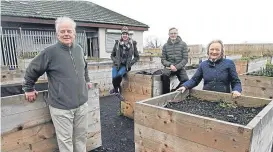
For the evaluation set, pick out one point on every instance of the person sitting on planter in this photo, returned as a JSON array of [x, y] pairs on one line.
[[174, 58], [121, 55], [219, 74]]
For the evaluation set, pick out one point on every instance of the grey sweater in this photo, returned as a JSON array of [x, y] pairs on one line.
[[67, 74]]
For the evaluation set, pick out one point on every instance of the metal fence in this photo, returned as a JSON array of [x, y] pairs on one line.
[[26, 44]]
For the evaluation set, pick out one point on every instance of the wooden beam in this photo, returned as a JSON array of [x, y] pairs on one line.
[[206, 131], [160, 141], [257, 81], [83, 24], [245, 101], [262, 126], [27, 137]]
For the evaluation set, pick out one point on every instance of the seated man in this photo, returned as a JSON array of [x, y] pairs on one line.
[[123, 51], [174, 58]]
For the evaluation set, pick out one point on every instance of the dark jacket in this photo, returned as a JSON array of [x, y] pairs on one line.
[[218, 76], [116, 54], [175, 54], [67, 74]]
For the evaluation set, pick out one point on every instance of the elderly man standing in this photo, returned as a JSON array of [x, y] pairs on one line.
[[68, 84], [174, 58]]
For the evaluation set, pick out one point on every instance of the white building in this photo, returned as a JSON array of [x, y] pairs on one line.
[[28, 26]]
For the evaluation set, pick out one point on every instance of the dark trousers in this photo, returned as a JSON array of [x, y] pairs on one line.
[[117, 75], [165, 77]]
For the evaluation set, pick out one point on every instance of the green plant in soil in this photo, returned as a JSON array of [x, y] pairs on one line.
[[267, 71], [249, 58], [227, 105]]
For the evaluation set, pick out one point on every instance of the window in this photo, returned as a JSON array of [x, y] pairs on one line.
[[110, 37]]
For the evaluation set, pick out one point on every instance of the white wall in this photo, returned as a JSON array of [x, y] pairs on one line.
[[137, 36], [103, 53]]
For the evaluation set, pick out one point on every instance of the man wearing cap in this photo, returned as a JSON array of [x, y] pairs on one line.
[[124, 55]]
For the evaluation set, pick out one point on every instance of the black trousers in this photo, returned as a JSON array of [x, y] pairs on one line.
[[116, 84], [165, 77]]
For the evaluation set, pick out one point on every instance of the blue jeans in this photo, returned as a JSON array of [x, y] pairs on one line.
[[117, 78], [116, 73]]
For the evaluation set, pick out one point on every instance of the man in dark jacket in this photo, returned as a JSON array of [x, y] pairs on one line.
[[123, 51], [174, 58], [68, 83]]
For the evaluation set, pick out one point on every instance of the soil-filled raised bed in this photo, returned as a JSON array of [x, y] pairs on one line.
[[27, 126], [144, 84], [139, 85], [206, 121], [258, 83]]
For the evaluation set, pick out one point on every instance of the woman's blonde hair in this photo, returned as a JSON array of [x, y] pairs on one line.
[[217, 41]]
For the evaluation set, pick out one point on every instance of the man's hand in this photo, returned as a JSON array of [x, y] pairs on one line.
[[235, 94], [182, 89], [173, 68], [89, 85], [31, 96]]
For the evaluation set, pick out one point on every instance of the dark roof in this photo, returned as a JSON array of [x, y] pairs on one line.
[[83, 11]]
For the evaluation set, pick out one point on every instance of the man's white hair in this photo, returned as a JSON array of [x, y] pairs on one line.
[[60, 20]]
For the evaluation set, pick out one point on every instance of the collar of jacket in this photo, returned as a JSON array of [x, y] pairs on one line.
[[177, 40], [64, 46], [213, 63]]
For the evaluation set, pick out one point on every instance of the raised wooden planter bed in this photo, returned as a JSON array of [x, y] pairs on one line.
[[139, 87], [27, 126], [259, 83], [162, 129], [257, 86]]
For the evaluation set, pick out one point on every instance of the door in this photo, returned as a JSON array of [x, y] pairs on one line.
[[95, 47]]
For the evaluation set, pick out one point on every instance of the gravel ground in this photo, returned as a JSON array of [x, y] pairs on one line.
[[117, 131]]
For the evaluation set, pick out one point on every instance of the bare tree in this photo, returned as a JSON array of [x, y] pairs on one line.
[[152, 42]]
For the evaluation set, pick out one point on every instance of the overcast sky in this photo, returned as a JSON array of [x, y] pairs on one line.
[[200, 21]]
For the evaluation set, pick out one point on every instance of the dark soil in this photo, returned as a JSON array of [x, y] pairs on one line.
[[117, 130], [218, 110], [15, 89]]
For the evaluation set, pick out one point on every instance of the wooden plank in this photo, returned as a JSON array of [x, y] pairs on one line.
[[93, 103], [46, 145], [245, 101], [160, 141], [256, 81], [261, 92], [162, 100], [27, 136], [143, 89], [94, 116], [263, 130], [94, 141], [17, 104], [44, 131], [24, 120], [127, 109], [133, 97], [141, 148], [139, 77], [210, 132]]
